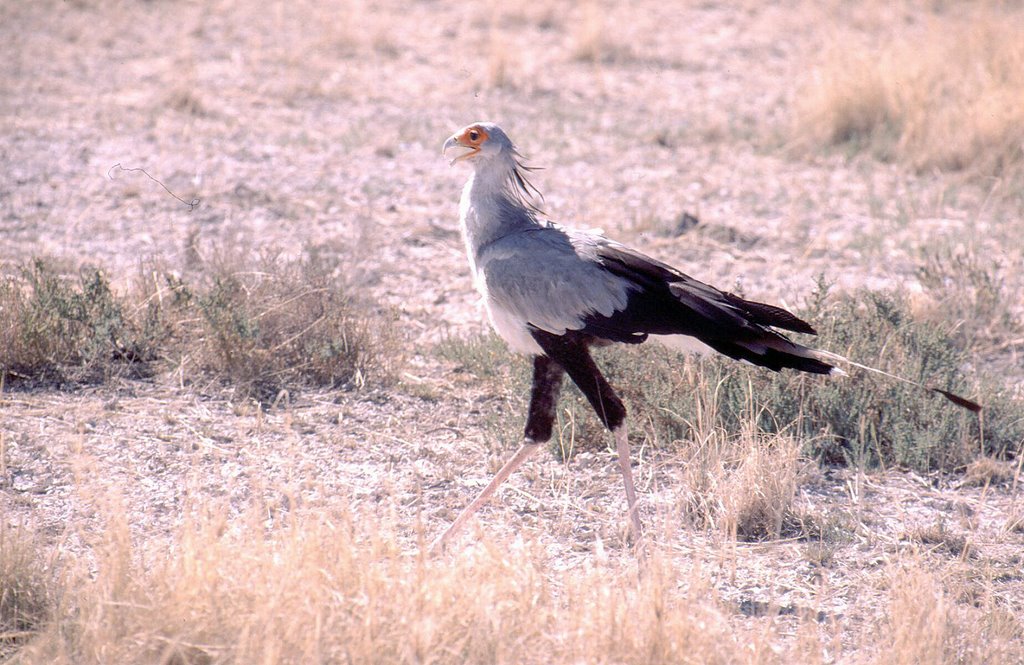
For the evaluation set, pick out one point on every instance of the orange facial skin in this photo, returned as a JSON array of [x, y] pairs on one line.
[[472, 137]]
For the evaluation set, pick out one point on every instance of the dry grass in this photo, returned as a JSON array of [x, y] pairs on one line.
[[927, 624], [350, 585], [589, 34], [279, 322], [346, 587], [946, 92], [967, 289], [940, 537], [499, 61], [57, 328], [987, 471], [25, 589], [743, 485]]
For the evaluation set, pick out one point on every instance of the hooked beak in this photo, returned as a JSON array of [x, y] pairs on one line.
[[460, 150]]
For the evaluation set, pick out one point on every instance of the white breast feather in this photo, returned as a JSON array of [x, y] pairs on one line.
[[511, 329]]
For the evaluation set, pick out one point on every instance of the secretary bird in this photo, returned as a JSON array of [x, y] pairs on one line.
[[553, 292]]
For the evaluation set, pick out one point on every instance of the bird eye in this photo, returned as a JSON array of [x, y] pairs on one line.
[[474, 135]]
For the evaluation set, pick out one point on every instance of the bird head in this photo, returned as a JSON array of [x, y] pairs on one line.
[[479, 142], [488, 148]]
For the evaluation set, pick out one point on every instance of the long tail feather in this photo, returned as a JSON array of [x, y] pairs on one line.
[[952, 397]]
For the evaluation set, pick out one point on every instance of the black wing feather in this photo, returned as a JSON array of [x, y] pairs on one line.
[[669, 302], [770, 315], [656, 277]]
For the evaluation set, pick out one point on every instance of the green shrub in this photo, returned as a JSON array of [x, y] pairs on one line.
[[970, 292], [283, 324], [290, 322], [60, 329]]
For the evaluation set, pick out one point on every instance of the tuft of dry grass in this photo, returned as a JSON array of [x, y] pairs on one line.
[[963, 287], [1015, 522], [743, 485], [590, 39], [938, 536], [758, 495], [920, 619], [26, 599], [499, 61], [588, 34], [927, 624], [946, 93], [988, 471]]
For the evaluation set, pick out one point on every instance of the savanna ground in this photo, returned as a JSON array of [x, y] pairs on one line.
[[228, 429]]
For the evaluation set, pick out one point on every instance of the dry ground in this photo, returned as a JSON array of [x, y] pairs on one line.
[[302, 124]]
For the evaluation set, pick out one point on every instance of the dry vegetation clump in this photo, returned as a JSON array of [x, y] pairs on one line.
[[742, 485], [594, 38], [987, 471], [925, 623], [939, 536], [346, 587], [946, 92], [262, 326], [62, 329], [589, 34], [860, 419], [26, 598], [284, 322], [970, 294]]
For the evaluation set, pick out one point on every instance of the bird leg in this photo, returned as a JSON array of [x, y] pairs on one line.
[[524, 453], [547, 383], [570, 351], [625, 464]]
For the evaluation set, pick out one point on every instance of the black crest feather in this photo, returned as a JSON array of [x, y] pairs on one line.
[[524, 191]]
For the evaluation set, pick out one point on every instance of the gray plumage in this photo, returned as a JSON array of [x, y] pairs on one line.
[[550, 278], [534, 274]]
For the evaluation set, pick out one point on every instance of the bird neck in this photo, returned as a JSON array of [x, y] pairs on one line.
[[489, 211]]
